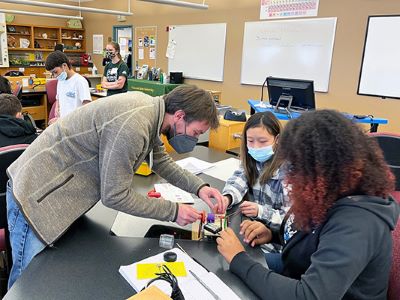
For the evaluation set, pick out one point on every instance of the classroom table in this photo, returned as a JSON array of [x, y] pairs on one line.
[[374, 122], [84, 262], [152, 88]]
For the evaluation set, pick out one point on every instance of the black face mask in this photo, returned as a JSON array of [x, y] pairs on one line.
[[110, 54]]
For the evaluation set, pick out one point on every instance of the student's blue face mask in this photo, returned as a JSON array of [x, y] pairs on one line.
[[182, 143], [62, 76], [261, 154]]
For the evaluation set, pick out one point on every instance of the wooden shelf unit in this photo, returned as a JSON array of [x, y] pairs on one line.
[[46, 37]]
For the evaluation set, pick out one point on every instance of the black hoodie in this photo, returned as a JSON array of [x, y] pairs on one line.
[[347, 257], [15, 131]]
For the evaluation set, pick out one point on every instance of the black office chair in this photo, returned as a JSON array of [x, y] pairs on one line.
[[8, 155], [88, 81], [390, 145], [14, 73]]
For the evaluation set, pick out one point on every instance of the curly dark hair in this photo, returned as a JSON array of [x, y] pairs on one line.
[[329, 157]]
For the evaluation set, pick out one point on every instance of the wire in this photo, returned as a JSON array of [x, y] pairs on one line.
[[167, 276]]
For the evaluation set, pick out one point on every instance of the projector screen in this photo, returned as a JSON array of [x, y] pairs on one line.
[[380, 68]]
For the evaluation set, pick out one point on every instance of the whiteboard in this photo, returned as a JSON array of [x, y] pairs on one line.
[[197, 50], [380, 68], [298, 49]]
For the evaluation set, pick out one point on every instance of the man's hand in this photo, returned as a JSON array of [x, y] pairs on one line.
[[187, 214], [255, 233], [229, 245], [206, 193], [249, 209]]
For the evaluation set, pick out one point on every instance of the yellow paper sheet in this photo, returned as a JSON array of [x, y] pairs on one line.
[[147, 271]]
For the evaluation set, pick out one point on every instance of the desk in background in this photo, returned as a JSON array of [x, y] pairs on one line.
[[84, 262], [38, 112], [152, 88], [374, 122]]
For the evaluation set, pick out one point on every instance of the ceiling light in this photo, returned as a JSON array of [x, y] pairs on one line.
[[32, 13], [71, 7], [179, 3]]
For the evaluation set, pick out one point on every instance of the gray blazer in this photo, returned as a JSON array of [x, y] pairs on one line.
[[92, 154]]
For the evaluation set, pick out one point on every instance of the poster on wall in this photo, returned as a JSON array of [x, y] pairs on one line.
[[279, 9], [97, 44], [152, 53]]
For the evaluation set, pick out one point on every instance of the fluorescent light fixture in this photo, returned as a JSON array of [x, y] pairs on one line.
[[179, 3], [38, 14], [71, 7]]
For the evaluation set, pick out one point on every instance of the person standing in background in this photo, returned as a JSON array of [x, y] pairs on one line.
[[72, 88], [116, 71]]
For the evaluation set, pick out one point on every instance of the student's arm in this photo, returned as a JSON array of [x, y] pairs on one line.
[[236, 186], [83, 91], [116, 85], [123, 72], [343, 252], [117, 156]]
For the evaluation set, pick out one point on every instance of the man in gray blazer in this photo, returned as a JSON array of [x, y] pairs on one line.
[[93, 153]]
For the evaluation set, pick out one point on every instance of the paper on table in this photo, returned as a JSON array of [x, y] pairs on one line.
[[193, 290], [173, 193], [190, 287], [129, 272], [223, 169], [194, 165]]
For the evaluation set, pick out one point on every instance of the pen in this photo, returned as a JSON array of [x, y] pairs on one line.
[[205, 286]]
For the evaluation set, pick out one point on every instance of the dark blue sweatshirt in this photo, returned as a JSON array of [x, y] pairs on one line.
[[347, 257]]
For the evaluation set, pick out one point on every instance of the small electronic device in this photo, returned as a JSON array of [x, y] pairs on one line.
[[143, 72], [292, 94], [360, 116], [212, 227], [235, 116], [176, 77]]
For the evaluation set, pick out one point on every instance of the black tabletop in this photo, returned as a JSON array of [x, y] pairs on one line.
[[84, 263]]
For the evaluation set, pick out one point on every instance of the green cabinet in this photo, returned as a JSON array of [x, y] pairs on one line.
[[152, 88]]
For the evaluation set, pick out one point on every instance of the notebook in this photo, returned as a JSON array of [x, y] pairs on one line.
[[190, 287]]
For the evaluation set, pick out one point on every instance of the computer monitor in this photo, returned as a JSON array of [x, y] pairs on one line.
[[294, 94]]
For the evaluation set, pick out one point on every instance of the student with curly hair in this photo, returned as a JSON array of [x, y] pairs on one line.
[[337, 236]]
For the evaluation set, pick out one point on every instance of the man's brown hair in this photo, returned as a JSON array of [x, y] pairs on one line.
[[9, 105], [197, 104]]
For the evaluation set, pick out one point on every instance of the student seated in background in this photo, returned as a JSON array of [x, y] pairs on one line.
[[116, 71], [13, 128], [72, 88], [5, 86], [337, 235], [259, 177]]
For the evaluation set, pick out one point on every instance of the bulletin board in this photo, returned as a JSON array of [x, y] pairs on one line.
[[146, 46], [379, 75], [298, 49], [197, 50]]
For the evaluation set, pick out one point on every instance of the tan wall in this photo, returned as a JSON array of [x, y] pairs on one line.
[[352, 19]]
